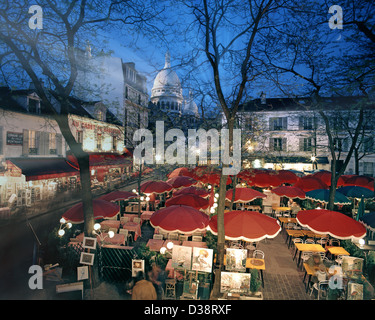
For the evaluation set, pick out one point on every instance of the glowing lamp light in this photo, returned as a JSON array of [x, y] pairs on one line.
[[313, 158], [158, 157], [209, 186], [111, 234], [97, 226], [62, 220], [61, 232], [215, 199], [216, 195], [170, 245], [362, 241], [142, 198], [147, 198], [69, 225], [163, 250], [214, 205], [134, 191], [212, 210]]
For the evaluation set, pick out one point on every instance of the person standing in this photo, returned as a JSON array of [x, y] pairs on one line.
[[143, 289]]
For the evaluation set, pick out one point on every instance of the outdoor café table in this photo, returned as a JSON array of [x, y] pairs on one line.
[[133, 227], [131, 216], [306, 247], [309, 271], [155, 244], [287, 220], [110, 224], [335, 251], [252, 263], [281, 209], [199, 244], [292, 233], [117, 239], [146, 215]]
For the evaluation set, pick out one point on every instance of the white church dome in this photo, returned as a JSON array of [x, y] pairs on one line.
[[167, 82]]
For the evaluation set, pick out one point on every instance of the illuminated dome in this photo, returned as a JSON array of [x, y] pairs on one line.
[[167, 91]]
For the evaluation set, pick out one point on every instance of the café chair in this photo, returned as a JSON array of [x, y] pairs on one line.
[[183, 238], [334, 243], [157, 236], [320, 287], [127, 235], [137, 220], [196, 238], [173, 236], [258, 254], [311, 241]]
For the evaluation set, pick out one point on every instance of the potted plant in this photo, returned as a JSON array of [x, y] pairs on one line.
[[255, 284]]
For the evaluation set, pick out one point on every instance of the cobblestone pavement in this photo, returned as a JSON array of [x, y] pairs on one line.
[[283, 280]]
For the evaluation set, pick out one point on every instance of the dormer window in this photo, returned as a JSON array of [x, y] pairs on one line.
[[33, 105]]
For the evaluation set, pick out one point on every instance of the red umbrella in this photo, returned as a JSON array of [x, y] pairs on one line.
[[325, 176], [244, 195], [183, 171], [308, 183], [192, 190], [360, 181], [246, 225], [102, 209], [213, 178], [265, 179], [155, 187], [334, 223], [118, 195], [287, 176], [179, 218], [181, 181], [289, 191], [191, 200]]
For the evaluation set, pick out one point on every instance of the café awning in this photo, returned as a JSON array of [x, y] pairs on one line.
[[105, 159], [43, 168]]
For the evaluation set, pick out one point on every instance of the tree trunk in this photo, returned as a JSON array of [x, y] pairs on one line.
[[220, 220]]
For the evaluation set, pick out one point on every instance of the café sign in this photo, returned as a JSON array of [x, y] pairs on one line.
[[14, 138]]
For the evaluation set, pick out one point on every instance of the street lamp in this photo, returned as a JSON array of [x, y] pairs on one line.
[[314, 163], [63, 225], [98, 232]]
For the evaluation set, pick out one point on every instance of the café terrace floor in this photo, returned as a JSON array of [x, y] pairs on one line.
[[283, 280]]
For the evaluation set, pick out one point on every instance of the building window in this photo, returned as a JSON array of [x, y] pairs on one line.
[[52, 143], [32, 142], [34, 105], [277, 124], [306, 123], [368, 145], [114, 143], [306, 144], [277, 144], [340, 144], [79, 136], [99, 141], [368, 168]]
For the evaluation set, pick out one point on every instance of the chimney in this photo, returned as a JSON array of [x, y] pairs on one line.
[[263, 98]]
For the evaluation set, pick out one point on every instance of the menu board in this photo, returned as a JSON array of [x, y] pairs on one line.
[[14, 138]]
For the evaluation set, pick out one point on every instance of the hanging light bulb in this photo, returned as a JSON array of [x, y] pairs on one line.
[[163, 250], [170, 245], [61, 232], [111, 234], [97, 226]]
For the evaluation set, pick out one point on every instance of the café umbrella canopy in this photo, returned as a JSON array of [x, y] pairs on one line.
[[183, 171], [368, 220], [325, 176], [118, 195], [155, 186], [243, 195], [333, 223], [247, 226], [192, 190], [287, 176], [322, 195], [356, 192], [289, 192], [102, 210], [308, 183], [181, 181], [360, 181], [180, 219], [191, 200], [264, 179]]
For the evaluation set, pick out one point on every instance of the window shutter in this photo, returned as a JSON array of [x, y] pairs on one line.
[[283, 145], [25, 145], [301, 144], [285, 123], [38, 142], [271, 124], [59, 143], [300, 124], [1, 140], [271, 144]]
